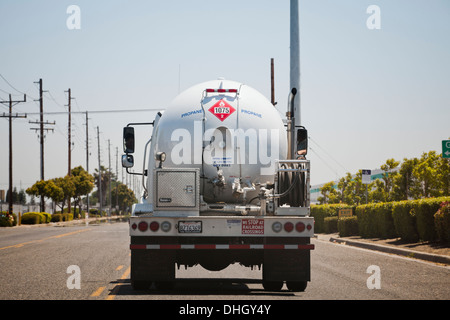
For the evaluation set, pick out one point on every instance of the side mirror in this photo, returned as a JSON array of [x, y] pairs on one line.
[[127, 161], [302, 141], [128, 140]]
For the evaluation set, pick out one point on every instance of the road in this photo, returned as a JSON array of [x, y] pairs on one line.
[[48, 262]]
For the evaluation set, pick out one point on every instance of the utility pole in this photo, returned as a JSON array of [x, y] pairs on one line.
[[295, 59], [69, 141], [11, 103], [41, 130], [117, 178], [99, 173], [87, 160], [110, 175], [272, 82]]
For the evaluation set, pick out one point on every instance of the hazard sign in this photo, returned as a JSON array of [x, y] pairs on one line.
[[222, 110], [252, 226]]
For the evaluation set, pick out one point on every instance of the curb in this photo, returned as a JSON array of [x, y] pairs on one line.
[[402, 252], [71, 222]]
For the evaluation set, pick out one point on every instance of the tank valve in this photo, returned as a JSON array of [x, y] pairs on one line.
[[237, 188], [219, 181]]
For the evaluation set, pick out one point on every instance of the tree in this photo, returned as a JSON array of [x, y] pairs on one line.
[[342, 188], [67, 185], [378, 191], [125, 196], [416, 178], [329, 194], [84, 183], [444, 175], [389, 177], [356, 191], [46, 189], [106, 177], [426, 173], [405, 181]]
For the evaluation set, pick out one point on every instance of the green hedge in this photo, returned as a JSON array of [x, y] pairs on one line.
[[405, 220], [376, 221], [6, 221], [412, 220], [35, 218], [58, 217], [320, 212], [348, 226], [331, 224], [442, 222]]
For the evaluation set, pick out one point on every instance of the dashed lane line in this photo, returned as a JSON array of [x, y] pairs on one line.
[[114, 291], [19, 245]]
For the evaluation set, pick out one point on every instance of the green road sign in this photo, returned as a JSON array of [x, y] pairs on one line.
[[446, 148]]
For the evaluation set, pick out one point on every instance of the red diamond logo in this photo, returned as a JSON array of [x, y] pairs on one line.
[[222, 110]]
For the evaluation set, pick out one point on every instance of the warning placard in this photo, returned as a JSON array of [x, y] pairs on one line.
[[222, 110], [252, 226]]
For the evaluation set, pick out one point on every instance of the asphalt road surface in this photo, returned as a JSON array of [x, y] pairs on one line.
[[92, 262]]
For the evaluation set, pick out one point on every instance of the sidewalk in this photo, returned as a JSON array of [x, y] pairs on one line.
[[74, 221], [432, 252]]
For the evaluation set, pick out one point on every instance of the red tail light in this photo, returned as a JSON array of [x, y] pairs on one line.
[[300, 227], [143, 226], [154, 226], [288, 226]]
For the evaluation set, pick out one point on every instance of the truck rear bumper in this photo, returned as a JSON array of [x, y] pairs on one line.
[[222, 226], [222, 247], [286, 259]]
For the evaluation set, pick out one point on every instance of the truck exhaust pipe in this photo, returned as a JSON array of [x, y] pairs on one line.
[[291, 125]]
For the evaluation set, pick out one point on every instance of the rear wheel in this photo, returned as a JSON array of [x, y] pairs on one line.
[[296, 286], [164, 285], [141, 284], [272, 285]]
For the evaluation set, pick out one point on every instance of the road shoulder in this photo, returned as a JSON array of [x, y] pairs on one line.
[[432, 252]]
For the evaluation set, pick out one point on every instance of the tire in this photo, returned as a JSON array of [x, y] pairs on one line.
[[296, 286], [272, 285], [164, 285], [140, 284]]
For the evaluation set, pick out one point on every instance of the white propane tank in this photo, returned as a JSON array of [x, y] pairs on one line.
[[228, 130]]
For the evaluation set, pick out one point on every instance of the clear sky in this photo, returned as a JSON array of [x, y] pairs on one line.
[[367, 94]]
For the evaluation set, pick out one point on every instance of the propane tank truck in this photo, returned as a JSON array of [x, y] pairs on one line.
[[226, 182]]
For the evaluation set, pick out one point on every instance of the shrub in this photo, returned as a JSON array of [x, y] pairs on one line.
[[376, 221], [331, 224], [404, 217], [56, 217], [32, 218], [348, 226], [67, 217], [366, 221], [320, 212], [47, 217], [7, 221], [442, 222], [425, 210], [384, 222]]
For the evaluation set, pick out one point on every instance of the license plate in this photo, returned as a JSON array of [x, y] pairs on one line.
[[190, 227]]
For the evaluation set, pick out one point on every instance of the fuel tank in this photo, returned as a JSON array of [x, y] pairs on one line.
[[229, 131]]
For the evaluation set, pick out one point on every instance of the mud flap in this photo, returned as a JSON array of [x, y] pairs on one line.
[[153, 265], [287, 265]]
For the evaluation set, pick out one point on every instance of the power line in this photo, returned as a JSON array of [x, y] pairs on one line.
[[9, 84], [11, 103], [100, 111], [328, 154]]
